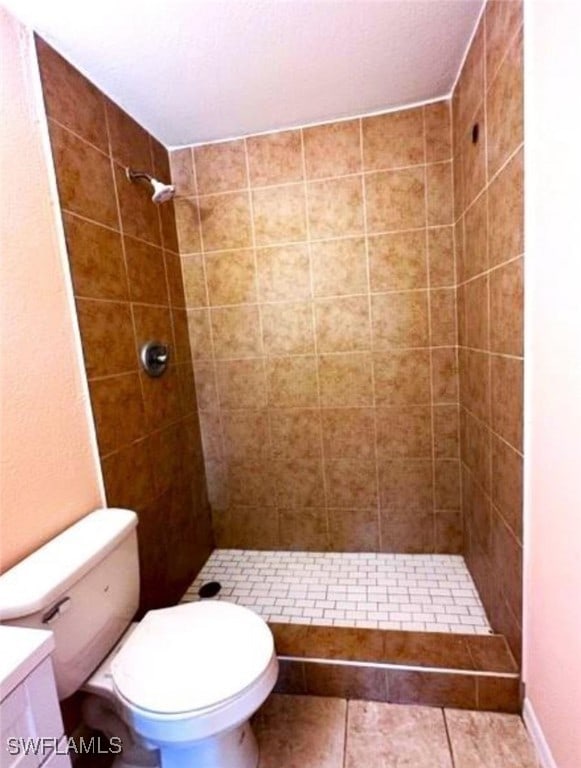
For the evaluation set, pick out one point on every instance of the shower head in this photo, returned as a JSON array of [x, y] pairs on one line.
[[161, 192]]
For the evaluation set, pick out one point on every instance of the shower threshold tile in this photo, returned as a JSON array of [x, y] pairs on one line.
[[428, 593]]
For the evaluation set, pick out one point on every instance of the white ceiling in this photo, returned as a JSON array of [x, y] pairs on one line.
[[199, 70]]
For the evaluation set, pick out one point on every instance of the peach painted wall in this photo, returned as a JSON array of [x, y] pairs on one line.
[[552, 659], [49, 472]]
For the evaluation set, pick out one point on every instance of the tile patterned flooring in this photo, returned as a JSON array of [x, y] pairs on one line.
[[317, 732], [430, 593]]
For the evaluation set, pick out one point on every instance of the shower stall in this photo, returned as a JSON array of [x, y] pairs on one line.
[[337, 438]]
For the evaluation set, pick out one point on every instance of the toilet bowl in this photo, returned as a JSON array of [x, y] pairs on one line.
[[186, 680], [178, 687]]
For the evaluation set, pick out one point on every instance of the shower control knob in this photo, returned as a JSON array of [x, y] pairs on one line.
[[154, 358]]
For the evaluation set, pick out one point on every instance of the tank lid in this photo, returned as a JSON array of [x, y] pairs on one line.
[[43, 576]]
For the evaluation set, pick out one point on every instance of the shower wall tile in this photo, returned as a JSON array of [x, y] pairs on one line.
[[220, 167], [70, 98], [325, 364], [128, 286], [488, 192], [275, 158], [333, 149], [194, 282], [96, 257], [84, 177], [129, 143], [393, 140]]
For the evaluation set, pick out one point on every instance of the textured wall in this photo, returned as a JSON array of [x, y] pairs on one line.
[[320, 285], [128, 289], [489, 233], [552, 607], [49, 473]]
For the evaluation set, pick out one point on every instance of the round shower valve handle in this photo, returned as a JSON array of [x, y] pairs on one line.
[[154, 358]]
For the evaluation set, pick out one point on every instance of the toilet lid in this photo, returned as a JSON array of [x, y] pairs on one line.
[[192, 656]]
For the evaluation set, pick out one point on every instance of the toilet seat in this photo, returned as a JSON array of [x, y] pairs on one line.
[[192, 657]]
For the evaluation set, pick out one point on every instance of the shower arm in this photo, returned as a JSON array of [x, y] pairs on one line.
[[135, 175]]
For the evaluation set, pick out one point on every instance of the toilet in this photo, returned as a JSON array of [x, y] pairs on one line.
[[178, 687]]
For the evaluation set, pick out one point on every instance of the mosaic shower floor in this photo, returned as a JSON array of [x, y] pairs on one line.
[[430, 593]]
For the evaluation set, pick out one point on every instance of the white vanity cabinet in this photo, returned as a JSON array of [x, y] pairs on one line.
[[31, 726]]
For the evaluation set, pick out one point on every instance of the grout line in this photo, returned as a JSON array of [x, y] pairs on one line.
[[492, 179], [286, 243], [315, 339], [265, 357], [345, 731], [401, 667], [213, 358], [315, 180], [430, 337], [448, 737], [370, 311]]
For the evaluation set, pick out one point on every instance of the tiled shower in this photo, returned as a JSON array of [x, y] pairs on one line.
[[343, 304]]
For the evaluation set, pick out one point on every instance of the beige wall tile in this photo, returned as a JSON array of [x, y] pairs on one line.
[[503, 19], [406, 485], [343, 324], [246, 435], [304, 529], [351, 483], [225, 221], [395, 200], [182, 171], [220, 167], [283, 273], [339, 267], [299, 482], [402, 377], [292, 382], [231, 277], [288, 328], [444, 375], [346, 379], [400, 320], [236, 331], [332, 149], [506, 213], [349, 432], [335, 207], [279, 214], [437, 120], [354, 530], [398, 262], [296, 433], [241, 383], [275, 158], [504, 105], [440, 195], [393, 140], [187, 224], [194, 281], [200, 334], [441, 257], [404, 431], [475, 252]]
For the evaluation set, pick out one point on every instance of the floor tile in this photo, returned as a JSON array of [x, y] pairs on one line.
[[489, 740], [301, 732], [394, 736]]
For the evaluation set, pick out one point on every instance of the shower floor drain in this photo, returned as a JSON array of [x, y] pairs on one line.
[[209, 589]]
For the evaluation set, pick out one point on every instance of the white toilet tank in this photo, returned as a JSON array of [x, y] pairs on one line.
[[84, 586]]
